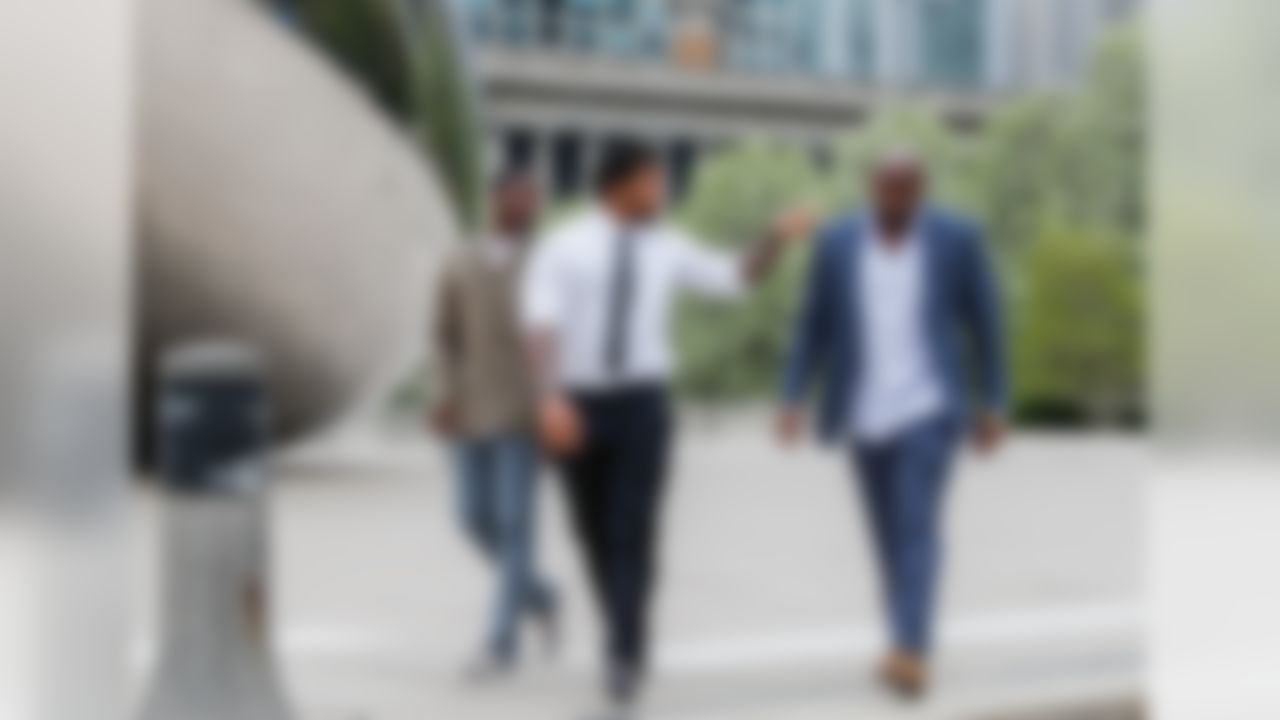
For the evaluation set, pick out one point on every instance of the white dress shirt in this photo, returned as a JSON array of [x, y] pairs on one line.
[[567, 289], [898, 387]]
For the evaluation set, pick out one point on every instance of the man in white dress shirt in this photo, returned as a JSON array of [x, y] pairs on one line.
[[901, 322], [597, 304]]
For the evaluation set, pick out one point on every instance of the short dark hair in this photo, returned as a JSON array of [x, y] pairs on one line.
[[507, 177], [620, 161]]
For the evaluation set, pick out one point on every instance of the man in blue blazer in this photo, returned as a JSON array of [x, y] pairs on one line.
[[901, 324]]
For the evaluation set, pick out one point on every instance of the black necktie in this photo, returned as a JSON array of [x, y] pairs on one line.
[[621, 290]]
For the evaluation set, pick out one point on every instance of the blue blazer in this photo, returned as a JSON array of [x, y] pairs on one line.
[[962, 321]]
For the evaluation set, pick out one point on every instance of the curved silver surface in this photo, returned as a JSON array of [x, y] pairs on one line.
[[279, 207]]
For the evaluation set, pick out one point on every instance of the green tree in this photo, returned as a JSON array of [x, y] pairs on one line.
[[953, 160], [733, 351], [1106, 132], [446, 103], [1076, 153], [1021, 162], [1078, 328]]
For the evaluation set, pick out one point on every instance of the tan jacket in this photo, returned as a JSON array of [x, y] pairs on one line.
[[480, 367]]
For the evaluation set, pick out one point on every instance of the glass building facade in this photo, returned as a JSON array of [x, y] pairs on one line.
[[770, 35], [547, 121], [963, 44], [952, 47], [830, 38], [620, 28]]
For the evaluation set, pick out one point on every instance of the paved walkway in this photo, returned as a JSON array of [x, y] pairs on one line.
[[767, 608]]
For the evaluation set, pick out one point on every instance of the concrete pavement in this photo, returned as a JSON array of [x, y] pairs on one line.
[[768, 608]]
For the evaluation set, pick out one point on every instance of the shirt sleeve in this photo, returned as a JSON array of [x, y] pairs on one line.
[[446, 333], [541, 291], [707, 272]]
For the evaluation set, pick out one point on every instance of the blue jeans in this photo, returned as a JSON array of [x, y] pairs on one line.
[[903, 483], [496, 479]]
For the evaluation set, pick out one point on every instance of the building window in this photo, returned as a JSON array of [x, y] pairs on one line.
[[518, 148], [773, 35], [861, 30], [566, 165], [625, 28], [952, 42], [682, 161]]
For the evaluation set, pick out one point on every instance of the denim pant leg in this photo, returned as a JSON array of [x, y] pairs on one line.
[[521, 590], [473, 462], [874, 468], [920, 479]]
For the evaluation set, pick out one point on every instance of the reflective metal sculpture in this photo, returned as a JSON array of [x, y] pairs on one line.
[[279, 204]]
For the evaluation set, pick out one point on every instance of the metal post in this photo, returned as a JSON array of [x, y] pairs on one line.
[[215, 658]]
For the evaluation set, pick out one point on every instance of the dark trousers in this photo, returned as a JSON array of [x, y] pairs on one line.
[[903, 484], [615, 489]]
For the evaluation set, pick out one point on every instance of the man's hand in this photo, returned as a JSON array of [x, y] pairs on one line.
[[559, 427], [789, 426], [988, 432], [791, 225], [794, 223], [445, 419]]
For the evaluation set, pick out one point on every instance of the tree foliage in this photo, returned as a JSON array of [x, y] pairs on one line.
[[1078, 329], [954, 160], [731, 351], [1077, 154], [446, 105], [1057, 181], [1106, 130]]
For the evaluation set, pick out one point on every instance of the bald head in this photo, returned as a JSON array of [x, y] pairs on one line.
[[898, 182], [898, 159]]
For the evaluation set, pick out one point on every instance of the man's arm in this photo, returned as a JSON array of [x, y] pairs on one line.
[[558, 425], [540, 356], [716, 274], [541, 310], [446, 332], [806, 347], [985, 324], [790, 225]]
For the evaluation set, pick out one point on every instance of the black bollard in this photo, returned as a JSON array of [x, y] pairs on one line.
[[215, 660]]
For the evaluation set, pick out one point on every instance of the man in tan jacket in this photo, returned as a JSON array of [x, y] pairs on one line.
[[484, 405]]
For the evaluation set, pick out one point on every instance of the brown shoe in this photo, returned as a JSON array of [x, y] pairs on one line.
[[905, 674]]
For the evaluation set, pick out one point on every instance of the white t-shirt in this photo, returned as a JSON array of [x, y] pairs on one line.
[[898, 387]]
